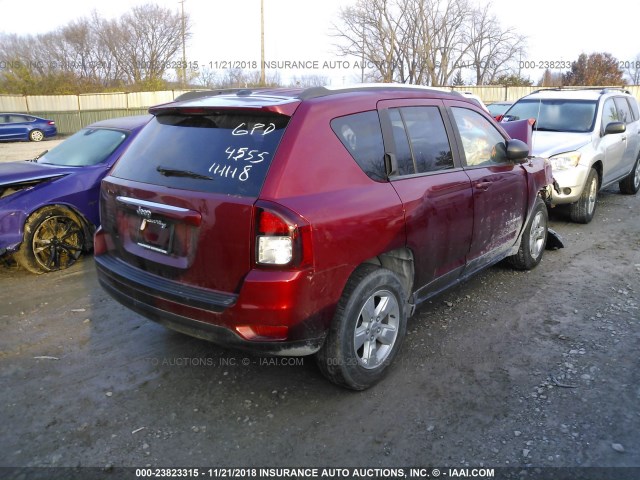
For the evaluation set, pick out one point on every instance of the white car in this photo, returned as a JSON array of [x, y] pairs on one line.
[[591, 138], [476, 99]]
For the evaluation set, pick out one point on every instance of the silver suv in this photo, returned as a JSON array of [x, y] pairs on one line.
[[590, 136]]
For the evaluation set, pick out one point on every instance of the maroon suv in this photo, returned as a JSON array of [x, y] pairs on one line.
[[298, 222]]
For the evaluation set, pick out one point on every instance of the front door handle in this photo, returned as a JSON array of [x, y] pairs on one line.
[[483, 185]]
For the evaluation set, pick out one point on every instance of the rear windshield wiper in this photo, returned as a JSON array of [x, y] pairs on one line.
[[172, 172]]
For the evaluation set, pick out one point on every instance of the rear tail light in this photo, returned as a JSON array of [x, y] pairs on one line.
[[275, 250], [51, 123], [282, 238]]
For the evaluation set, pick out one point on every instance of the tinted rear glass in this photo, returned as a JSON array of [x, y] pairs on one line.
[[555, 115], [360, 133], [222, 152]]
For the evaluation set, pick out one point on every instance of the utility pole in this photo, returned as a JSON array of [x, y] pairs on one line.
[[262, 75], [184, 55], [363, 33]]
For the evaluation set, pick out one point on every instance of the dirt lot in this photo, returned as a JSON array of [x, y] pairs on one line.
[[11, 151], [511, 369]]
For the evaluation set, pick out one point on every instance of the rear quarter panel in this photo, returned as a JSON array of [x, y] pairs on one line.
[[353, 218]]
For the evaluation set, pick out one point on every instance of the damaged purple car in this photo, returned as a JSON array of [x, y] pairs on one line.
[[49, 205]]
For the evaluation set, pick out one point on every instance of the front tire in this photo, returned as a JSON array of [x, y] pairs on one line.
[[534, 239], [631, 183], [367, 331], [53, 240], [583, 210]]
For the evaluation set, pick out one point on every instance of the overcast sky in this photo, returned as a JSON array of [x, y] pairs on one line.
[[300, 30]]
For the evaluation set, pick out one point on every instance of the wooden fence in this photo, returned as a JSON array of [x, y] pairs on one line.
[[72, 112]]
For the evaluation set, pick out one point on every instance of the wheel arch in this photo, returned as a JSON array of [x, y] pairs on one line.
[[401, 262], [599, 168], [87, 227]]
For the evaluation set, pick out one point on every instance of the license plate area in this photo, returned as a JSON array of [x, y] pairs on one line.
[[156, 235]]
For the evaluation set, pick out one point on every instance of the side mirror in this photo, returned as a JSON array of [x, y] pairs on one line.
[[615, 127], [517, 150]]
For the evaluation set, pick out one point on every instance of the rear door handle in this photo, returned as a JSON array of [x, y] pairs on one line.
[[483, 185]]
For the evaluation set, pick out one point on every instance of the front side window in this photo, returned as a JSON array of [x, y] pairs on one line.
[[609, 113], [361, 135], [482, 143]]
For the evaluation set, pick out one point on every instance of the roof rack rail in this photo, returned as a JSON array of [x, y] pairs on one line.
[[603, 90], [315, 92]]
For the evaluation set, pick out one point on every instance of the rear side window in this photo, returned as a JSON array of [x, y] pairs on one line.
[[361, 135], [634, 107], [222, 152], [624, 113], [420, 140]]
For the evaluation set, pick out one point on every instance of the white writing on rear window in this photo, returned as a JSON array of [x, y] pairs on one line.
[[229, 171], [251, 156], [257, 129]]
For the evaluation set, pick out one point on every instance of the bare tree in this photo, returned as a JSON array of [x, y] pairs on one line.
[[370, 31], [632, 69], [425, 41], [448, 26], [234, 78], [550, 79], [307, 81], [91, 54], [207, 77], [144, 43], [492, 48]]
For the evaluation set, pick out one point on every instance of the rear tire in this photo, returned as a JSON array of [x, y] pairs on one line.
[[534, 239], [583, 210], [631, 183], [367, 331], [36, 135]]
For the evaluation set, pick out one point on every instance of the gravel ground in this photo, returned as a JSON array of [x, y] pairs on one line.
[[510, 369], [13, 151]]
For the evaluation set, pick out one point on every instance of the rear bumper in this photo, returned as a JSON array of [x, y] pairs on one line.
[[176, 306]]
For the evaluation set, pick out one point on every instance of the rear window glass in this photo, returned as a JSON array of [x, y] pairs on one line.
[[222, 152]]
